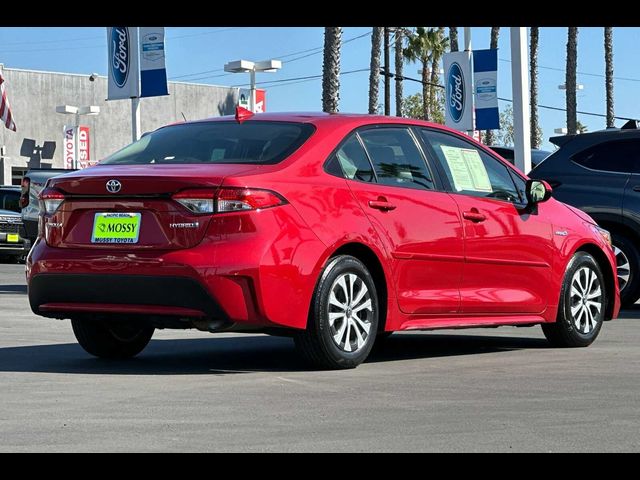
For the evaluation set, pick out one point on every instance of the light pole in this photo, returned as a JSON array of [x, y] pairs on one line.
[[77, 112], [246, 66]]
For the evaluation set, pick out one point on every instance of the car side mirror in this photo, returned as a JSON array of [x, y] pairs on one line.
[[537, 191]]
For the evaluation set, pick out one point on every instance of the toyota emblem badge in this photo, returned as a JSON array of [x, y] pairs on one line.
[[113, 186]]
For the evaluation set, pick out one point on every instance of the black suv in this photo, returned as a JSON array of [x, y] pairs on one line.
[[13, 242], [599, 173]]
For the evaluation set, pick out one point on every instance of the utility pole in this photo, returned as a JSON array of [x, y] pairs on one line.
[[387, 77]]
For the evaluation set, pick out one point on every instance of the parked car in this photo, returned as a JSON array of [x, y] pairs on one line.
[[508, 154], [13, 243], [599, 173], [32, 184], [333, 229]]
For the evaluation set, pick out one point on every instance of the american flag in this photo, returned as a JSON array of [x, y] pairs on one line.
[[5, 109]]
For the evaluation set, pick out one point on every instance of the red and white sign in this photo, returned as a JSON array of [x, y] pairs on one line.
[[84, 157], [77, 147], [69, 144], [261, 101]]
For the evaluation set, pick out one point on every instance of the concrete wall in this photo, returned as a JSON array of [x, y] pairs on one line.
[[34, 96]]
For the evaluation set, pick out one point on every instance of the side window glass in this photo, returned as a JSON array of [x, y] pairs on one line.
[[621, 156], [470, 170], [396, 158], [351, 162]]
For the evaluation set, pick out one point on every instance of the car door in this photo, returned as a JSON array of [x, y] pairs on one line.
[[420, 226], [508, 249]]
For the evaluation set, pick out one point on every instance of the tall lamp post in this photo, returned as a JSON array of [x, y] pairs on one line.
[[77, 112], [246, 66]]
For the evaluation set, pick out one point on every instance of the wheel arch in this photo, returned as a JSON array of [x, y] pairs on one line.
[[374, 264], [603, 262]]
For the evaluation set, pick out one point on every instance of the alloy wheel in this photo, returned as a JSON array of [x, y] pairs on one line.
[[350, 311], [586, 300], [623, 267]]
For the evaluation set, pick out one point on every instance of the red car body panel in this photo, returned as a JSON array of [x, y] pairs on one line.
[[261, 267]]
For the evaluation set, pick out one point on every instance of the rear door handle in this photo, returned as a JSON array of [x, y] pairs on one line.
[[474, 216], [382, 205], [636, 188]]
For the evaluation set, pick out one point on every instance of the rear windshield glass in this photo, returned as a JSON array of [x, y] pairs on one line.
[[216, 142]]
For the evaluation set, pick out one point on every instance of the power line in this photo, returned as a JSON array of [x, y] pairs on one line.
[[308, 77], [599, 75], [314, 51]]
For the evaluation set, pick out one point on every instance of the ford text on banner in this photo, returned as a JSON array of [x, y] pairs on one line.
[[485, 80], [153, 74], [458, 91], [124, 71]]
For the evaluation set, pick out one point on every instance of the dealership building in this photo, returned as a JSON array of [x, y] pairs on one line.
[[39, 139]]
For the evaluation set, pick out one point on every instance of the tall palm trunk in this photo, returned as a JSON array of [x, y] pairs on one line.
[[453, 38], [571, 80], [608, 60], [331, 69], [374, 74], [533, 59], [435, 67], [426, 89], [495, 33], [398, 66]]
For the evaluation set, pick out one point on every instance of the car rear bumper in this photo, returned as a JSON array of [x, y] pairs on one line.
[[258, 269], [61, 295]]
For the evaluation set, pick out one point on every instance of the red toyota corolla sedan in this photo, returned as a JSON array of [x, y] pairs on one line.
[[334, 229]]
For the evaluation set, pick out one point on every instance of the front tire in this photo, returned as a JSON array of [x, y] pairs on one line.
[[344, 316], [111, 340], [582, 304], [628, 268]]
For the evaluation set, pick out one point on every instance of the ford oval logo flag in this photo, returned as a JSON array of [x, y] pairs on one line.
[[455, 92], [458, 91], [120, 55]]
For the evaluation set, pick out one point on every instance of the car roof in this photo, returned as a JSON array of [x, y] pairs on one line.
[[321, 118], [10, 187]]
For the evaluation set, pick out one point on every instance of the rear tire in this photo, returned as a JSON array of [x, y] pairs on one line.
[[111, 340], [343, 320], [628, 265], [582, 304]]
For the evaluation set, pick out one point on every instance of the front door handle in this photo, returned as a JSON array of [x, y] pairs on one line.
[[381, 205], [636, 188], [474, 215]]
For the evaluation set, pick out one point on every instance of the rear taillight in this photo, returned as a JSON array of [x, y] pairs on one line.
[[227, 199], [24, 193], [50, 200], [239, 199]]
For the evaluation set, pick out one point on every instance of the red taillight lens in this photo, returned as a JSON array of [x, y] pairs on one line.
[[24, 193], [227, 199], [50, 200], [240, 199]]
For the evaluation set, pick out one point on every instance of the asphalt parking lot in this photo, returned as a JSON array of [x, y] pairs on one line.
[[467, 390]]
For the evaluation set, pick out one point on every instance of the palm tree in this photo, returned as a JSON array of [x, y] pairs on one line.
[[608, 60], [419, 50], [331, 69], [439, 44], [533, 59], [398, 65], [374, 74], [495, 34], [571, 80], [453, 38]]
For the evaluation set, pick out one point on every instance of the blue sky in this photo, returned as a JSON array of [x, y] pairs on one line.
[[194, 50]]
